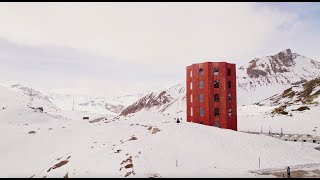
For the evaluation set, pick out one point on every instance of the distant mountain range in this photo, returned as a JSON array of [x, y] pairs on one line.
[[259, 79]]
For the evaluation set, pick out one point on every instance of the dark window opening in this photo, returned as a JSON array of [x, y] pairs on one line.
[[201, 111], [229, 84], [216, 97], [216, 84], [201, 84], [201, 98], [201, 72], [314, 141], [201, 122], [304, 140], [295, 140], [215, 71], [230, 112], [229, 72], [216, 112], [217, 124]]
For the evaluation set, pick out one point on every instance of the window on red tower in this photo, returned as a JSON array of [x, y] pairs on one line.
[[201, 72], [191, 98], [215, 71], [229, 97], [201, 111], [230, 112], [191, 112], [229, 84], [216, 112], [191, 85], [216, 97], [229, 72], [190, 73], [201, 98], [216, 84], [201, 84]]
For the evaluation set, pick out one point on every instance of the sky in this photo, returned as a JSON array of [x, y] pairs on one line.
[[112, 49]]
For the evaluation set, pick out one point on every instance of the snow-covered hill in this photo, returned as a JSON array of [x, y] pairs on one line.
[[149, 144], [268, 75]]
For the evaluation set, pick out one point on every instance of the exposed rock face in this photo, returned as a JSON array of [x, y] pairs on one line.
[[275, 73], [274, 65], [159, 101], [306, 93]]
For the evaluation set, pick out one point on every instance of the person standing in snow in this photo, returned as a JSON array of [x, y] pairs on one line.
[[288, 171]]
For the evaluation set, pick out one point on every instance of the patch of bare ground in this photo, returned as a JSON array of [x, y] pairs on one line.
[[128, 165], [66, 176], [61, 163], [294, 174], [133, 138]]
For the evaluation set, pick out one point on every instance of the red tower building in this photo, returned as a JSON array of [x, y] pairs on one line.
[[211, 94]]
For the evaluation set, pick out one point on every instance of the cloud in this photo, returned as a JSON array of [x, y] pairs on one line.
[[117, 47]]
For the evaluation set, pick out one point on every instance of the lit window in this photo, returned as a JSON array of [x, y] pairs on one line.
[[216, 97], [230, 112], [191, 98], [191, 85], [201, 111], [191, 112], [201, 98], [216, 84], [216, 71], [216, 112], [201, 72], [229, 84], [190, 73], [229, 97], [201, 84]]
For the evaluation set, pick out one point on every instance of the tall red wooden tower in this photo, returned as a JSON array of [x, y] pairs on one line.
[[211, 94]]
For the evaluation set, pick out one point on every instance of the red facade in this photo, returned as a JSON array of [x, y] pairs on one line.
[[211, 94]]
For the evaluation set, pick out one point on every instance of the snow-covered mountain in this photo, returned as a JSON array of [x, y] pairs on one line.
[[268, 75], [68, 102], [29, 96], [170, 101], [258, 80]]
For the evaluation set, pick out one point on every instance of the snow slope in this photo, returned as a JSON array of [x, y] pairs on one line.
[[253, 118], [63, 145]]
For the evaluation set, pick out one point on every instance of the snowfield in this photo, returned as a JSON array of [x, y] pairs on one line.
[[63, 144], [253, 117]]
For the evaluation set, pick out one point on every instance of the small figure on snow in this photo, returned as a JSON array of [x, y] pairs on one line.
[[288, 171]]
